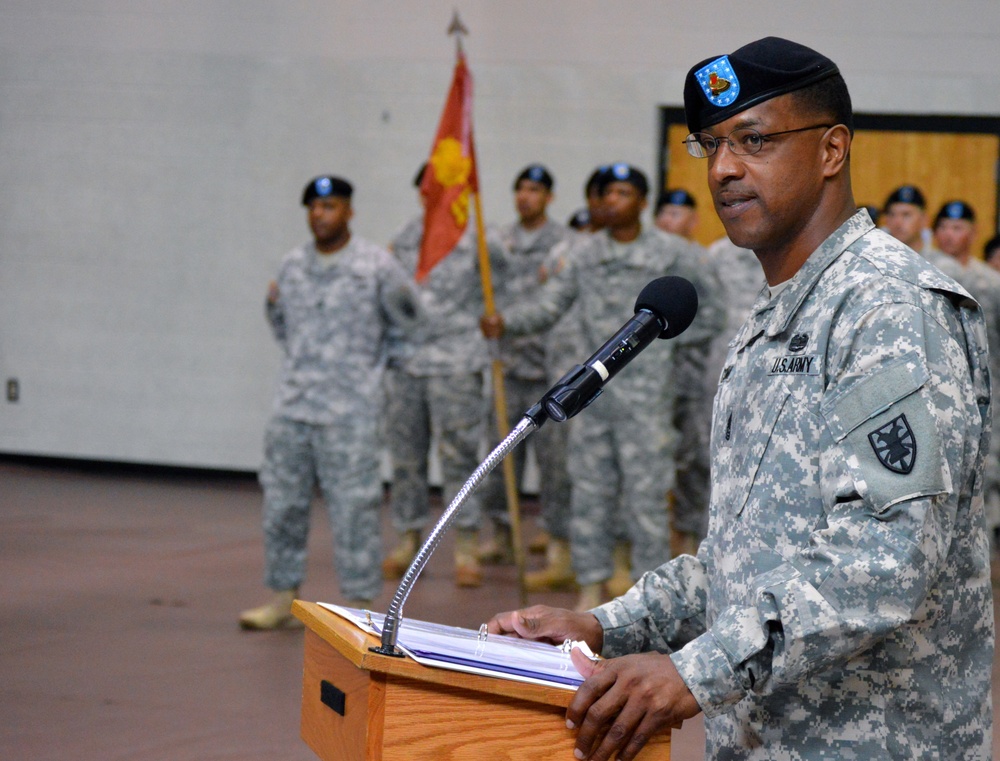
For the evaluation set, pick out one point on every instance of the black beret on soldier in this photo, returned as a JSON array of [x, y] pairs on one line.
[[906, 194], [722, 86], [325, 186], [678, 197], [955, 210], [622, 172], [535, 173]]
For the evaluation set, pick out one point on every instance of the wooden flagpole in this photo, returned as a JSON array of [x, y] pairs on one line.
[[499, 394]]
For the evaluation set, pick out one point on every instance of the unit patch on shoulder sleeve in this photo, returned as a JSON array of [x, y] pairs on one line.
[[895, 445]]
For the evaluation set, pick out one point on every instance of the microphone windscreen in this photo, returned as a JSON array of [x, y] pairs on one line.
[[671, 298]]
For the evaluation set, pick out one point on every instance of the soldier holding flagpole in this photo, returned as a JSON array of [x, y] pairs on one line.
[[439, 380]]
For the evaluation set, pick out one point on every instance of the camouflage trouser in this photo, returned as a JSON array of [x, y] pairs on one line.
[[342, 460], [550, 442], [991, 497], [991, 474], [453, 406], [620, 454], [691, 492], [696, 374]]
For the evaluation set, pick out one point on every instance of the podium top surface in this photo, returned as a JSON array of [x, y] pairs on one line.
[[353, 644]]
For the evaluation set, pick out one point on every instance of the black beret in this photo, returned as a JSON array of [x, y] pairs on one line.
[[622, 172], [991, 247], [955, 210], [594, 181], [325, 186], [907, 194], [678, 197], [535, 173], [580, 219], [719, 87]]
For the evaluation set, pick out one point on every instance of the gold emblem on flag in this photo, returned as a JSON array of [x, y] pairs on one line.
[[451, 168]]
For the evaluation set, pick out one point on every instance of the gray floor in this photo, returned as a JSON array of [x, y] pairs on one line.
[[118, 636]]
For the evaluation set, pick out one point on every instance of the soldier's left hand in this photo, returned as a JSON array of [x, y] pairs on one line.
[[491, 325], [624, 702]]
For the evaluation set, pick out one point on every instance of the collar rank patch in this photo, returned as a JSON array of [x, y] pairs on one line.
[[894, 445], [718, 81]]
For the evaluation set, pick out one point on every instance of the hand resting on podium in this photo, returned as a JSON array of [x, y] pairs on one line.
[[624, 701]]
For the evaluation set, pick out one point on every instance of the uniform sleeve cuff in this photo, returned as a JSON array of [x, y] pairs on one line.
[[615, 636], [708, 673]]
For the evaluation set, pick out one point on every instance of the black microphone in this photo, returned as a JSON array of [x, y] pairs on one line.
[[665, 308]]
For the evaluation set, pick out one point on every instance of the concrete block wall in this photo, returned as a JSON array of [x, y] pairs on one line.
[[152, 153]]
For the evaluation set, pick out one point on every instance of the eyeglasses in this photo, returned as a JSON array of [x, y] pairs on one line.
[[743, 141]]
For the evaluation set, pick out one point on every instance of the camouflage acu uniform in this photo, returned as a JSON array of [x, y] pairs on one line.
[[330, 318], [983, 282], [621, 447], [564, 348], [436, 379], [695, 383], [840, 606], [741, 279], [525, 373]]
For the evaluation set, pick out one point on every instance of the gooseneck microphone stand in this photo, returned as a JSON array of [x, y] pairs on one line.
[[664, 309], [531, 421]]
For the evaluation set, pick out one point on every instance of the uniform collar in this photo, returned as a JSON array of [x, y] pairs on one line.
[[786, 304], [318, 264]]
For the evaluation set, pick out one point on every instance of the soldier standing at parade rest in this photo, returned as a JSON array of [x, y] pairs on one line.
[[622, 449], [564, 347], [840, 606], [329, 309], [954, 232], [529, 242], [991, 252], [905, 217], [435, 383], [676, 214]]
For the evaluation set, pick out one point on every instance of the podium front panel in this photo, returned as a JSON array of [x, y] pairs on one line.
[[357, 706]]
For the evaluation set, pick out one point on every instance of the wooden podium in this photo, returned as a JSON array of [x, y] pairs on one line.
[[361, 706]]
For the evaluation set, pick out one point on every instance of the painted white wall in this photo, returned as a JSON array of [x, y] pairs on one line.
[[152, 153]]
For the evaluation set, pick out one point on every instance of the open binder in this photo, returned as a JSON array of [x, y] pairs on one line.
[[475, 652]]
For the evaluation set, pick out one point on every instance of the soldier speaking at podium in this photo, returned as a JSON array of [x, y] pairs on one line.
[[840, 606]]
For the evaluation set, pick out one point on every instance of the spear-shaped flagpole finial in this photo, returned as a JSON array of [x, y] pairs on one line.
[[457, 28]]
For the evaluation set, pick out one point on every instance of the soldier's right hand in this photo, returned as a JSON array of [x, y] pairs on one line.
[[553, 625], [272, 292]]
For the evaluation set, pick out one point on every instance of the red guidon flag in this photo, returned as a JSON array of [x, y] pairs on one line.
[[450, 177]]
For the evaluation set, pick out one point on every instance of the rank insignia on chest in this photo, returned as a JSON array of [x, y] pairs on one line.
[[804, 364], [895, 445]]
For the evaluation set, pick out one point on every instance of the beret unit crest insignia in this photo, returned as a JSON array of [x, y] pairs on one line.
[[719, 82]]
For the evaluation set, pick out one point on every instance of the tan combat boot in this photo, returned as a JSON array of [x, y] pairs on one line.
[[276, 614], [467, 571], [539, 543], [591, 595], [557, 575], [397, 561], [500, 549], [621, 578]]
